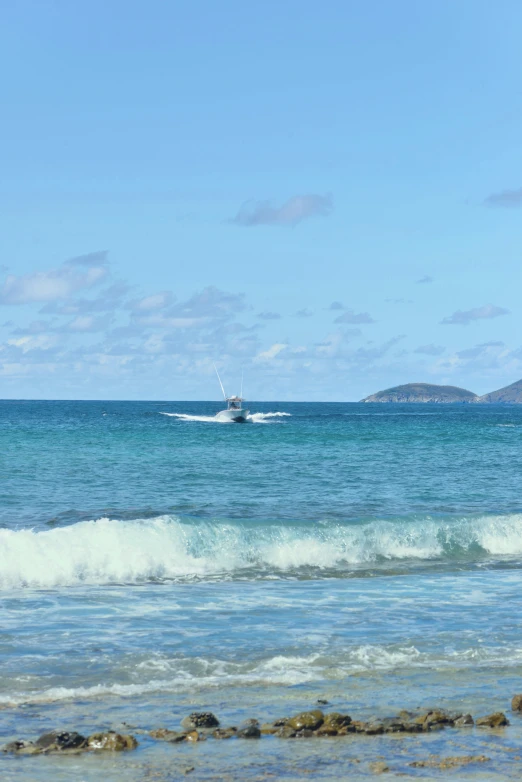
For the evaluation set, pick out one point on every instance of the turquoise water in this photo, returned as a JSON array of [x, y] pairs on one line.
[[153, 561]]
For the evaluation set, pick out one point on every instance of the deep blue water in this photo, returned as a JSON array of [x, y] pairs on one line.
[[153, 560]]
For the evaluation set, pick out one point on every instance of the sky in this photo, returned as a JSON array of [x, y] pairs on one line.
[[325, 196]]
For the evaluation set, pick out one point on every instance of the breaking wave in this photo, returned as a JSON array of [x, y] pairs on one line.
[[166, 547]]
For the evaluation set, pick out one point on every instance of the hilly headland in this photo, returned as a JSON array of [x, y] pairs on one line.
[[435, 394]]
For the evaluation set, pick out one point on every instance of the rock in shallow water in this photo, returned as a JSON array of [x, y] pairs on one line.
[[67, 742], [200, 719], [224, 733], [374, 729], [171, 736], [379, 767], [22, 747], [516, 703], [309, 720], [358, 726], [466, 721], [269, 728], [111, 741], [327, 730], [336, 724], [451, 762], [60, 740], [396, 725], [193, 735], [497, 720], [286, 732], [336, 720], [306, 733], [249, 729], [435, 717]]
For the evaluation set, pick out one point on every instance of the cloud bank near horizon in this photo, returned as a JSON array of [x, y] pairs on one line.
[[77, 322]]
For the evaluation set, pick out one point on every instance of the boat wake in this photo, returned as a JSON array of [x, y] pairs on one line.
[[254, 418], [264, 418]]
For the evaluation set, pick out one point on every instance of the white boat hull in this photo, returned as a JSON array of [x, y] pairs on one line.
[[235, 416]]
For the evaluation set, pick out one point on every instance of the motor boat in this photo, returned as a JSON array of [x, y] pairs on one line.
[[235, 411]]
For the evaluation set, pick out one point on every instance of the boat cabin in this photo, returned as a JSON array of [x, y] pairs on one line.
[[234, 402]]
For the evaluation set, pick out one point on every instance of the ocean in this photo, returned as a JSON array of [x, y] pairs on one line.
[[154, 562]]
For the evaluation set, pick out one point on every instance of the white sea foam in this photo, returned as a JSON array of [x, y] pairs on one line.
[[263, 416], [113, 551], [189, 675], [266, 418], [204, 418], [198, 675]]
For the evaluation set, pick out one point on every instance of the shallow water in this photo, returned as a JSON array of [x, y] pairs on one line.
[[154, 561]]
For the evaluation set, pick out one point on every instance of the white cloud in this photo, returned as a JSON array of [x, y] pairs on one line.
[[88, 323], [354, 317], [485, 349], [156, 301], [505, 198], [430, 350], [106, 300], [29, 343], [155, 343], [168, 322], [368, 356], [489, 359], [464, 317], [34, 327], [271, 353], [269, 315], [77, 274], [211, 302], [336, 344], [207, 309], [292, 212]]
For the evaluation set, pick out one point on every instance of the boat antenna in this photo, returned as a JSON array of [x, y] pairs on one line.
[[221, 384], [241, 393]]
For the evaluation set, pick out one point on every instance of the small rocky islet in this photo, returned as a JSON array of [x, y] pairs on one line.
[[429, 393], [199, 726]]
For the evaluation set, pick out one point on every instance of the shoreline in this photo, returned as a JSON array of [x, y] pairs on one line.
[[410, 743]]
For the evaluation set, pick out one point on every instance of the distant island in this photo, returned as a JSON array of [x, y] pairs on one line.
[[429, 393], [508, 395]]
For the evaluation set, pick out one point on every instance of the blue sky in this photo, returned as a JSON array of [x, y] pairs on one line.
[[328, 195]]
